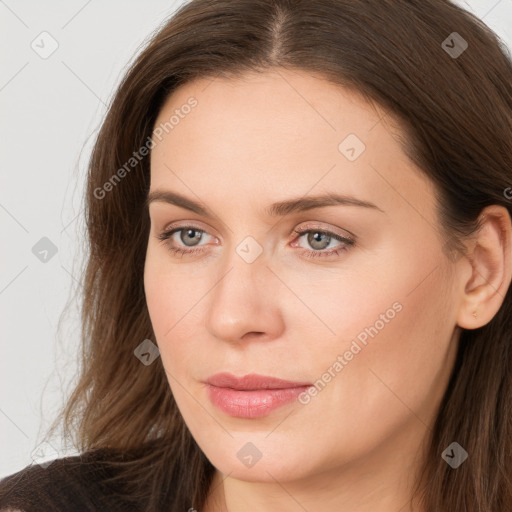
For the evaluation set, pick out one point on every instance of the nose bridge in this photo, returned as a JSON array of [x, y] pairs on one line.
[[244, 270], [245, 265], [241, 301]]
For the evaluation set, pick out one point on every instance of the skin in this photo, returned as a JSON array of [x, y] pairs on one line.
[[264, 138]]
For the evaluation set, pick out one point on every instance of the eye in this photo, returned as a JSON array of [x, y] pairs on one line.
[[189, 234], [316, 238]]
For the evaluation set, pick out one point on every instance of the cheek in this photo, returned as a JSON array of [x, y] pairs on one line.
[[160, 299], [391, 323], [173, 301], [421, 348], [402, 355], [166, 288]]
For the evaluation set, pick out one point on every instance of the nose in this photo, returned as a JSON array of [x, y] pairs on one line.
[[244, 304]]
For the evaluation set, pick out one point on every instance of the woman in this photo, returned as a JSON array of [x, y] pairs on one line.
[[298, 290]]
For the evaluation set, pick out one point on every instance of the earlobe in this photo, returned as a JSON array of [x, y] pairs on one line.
[[490, 258]]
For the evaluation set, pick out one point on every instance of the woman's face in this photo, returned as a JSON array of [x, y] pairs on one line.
[[370, 323]]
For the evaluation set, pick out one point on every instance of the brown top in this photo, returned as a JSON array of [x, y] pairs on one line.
[[68, 484]]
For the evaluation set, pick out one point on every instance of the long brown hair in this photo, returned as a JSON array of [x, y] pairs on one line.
[[456, 113]]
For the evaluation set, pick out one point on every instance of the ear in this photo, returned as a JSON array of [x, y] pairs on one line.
[[489, 265]]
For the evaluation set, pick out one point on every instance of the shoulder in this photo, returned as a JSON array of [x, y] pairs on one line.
[[71, 483]]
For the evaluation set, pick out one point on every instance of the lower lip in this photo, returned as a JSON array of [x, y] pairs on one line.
[[252, 404]]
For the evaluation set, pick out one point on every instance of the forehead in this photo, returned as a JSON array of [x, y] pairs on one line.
[[282, 133]]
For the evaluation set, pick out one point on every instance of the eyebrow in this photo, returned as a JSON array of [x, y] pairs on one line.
[[278, 209]]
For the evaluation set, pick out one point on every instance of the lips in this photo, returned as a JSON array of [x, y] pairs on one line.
[[251, 396], [252, 382]]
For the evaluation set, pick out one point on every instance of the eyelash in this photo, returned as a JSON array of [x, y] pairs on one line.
[[166, 235]]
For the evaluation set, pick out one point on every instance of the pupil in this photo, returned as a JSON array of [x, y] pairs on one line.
[[191, 231], [317, 237]]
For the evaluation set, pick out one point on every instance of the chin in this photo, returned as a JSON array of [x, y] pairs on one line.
[[275, 461]]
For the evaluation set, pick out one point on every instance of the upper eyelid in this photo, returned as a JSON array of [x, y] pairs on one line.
[[175, 229], [196, 223], [172, 229]]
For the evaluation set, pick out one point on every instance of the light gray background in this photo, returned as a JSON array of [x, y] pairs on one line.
[[51, 110]]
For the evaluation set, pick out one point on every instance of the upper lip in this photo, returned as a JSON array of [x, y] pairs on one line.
[[252, 381]]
